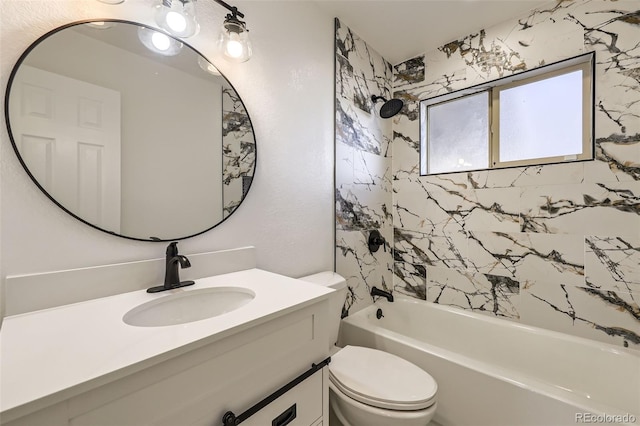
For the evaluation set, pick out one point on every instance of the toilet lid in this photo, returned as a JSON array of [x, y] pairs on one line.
[[381, 379]]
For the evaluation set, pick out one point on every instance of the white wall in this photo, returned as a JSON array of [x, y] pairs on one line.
[[287, 88]]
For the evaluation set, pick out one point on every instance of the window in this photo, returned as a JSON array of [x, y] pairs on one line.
[[540, 116]]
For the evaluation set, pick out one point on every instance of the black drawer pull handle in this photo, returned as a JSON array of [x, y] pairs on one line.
[[286, 417], [230, 419]]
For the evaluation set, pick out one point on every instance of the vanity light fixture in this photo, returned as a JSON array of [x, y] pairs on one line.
[[234, 42], [178, 18]]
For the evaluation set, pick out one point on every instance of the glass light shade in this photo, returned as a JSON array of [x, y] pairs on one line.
[[159, 42], [234, 41], [111, 1], [208, 66], [177, 17]]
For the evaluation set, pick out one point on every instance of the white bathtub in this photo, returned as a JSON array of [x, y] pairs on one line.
[[494, 372]]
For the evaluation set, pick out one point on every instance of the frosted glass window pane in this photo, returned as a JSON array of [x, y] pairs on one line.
[[542, 119], [459, 134]]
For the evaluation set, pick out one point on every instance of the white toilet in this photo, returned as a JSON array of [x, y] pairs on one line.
[[369, 387]]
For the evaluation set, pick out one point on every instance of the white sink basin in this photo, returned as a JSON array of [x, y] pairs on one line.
[[188, 306]]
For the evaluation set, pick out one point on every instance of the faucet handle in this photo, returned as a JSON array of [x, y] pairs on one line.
[[375, 241], [172, 249]]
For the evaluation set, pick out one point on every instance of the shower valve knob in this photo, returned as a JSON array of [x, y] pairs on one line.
[[375, 241]]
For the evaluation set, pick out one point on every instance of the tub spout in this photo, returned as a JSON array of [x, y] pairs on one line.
[[375, 291]]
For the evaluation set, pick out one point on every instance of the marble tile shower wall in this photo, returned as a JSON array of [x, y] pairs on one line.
[[554, 246], [363, 168]]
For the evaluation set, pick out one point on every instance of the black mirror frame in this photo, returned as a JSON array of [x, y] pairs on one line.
[[49, 196]]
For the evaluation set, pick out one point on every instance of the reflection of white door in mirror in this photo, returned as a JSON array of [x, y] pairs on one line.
[[72, 145]]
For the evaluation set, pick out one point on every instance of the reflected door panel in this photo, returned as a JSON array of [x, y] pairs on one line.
[[69, 135]]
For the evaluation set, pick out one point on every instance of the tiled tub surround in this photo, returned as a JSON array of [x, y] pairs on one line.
[[363, 168], [556, 246]]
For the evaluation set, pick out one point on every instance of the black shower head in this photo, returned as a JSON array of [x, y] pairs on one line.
[[390, 107]]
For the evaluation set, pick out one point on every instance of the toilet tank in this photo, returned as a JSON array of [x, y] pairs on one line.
[[336, 302]]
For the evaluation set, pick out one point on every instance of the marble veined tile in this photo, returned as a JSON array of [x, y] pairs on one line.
[[372, 171], [406, 160], [484, 293], [617, 160], [410, 208], [549, 174], [447, 211], [359, 129], [604, 315], [528, 257], [361, 208], [416, 247], [612, 31], [371, 74], [594, 13], [438, 82], [541, 36], [433, 208], [617, 102], [344, 164], [487, 57], [362, 269], [596, 209], [410, 280], [409, 72], [613, 263], [495, 209], [449, 181], [345, 80]]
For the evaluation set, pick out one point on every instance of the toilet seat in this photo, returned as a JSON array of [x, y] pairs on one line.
[[381, 379]]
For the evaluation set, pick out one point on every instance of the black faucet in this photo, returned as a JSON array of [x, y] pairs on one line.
[[375, 291], [171, 274]]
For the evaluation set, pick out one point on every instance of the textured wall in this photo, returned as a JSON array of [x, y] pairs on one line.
[[288, 214], [363, 168], [555, 246]]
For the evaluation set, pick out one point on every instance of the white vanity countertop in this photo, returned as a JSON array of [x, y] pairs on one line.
[[55, 353]]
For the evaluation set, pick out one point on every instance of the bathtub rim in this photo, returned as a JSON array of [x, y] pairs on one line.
[[608, 347]]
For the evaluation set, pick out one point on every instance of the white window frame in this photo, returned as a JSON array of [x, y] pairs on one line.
[[585, 63]]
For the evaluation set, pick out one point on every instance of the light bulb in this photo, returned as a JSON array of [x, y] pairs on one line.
[[234, 40], [176, 21], [177, 17], [160, 41], [234, 48]]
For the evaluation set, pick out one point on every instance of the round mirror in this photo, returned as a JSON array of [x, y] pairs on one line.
[[130, 130]]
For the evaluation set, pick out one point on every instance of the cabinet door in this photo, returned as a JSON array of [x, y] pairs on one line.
[[306, 400]]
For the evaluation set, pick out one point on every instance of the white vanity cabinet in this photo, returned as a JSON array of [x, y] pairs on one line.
[[196, 384]]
